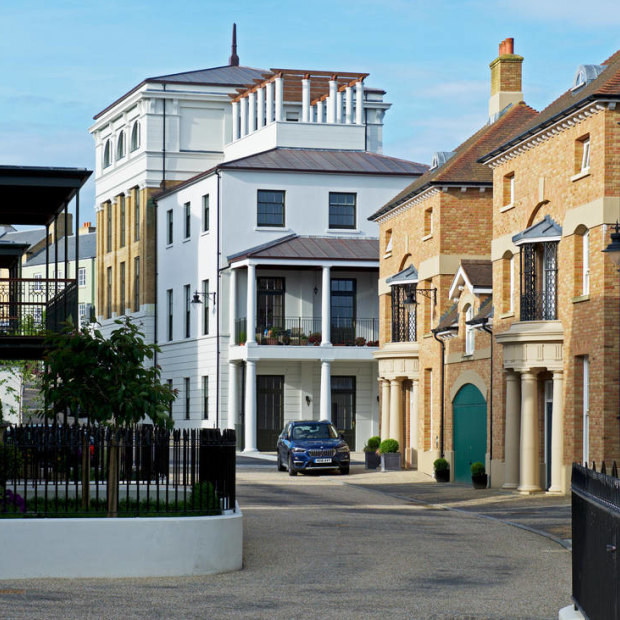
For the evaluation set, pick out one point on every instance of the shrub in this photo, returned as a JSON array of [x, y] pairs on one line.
[[373, 444], [441, 465], [388, 446], [203, 498], [11, 462], [477, 469]]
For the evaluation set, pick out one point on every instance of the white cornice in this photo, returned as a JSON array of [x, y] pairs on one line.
[[427, 193], [548, 132]]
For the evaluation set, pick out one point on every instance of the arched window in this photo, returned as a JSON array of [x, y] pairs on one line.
[[469, 331], [508, 282], [120, 145], [107, 158], [135, 136]]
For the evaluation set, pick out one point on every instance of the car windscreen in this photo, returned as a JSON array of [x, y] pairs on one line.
[[314, 431]]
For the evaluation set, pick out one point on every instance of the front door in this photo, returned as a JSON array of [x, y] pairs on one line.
[[343, 407], [269, 411], [470, 431]]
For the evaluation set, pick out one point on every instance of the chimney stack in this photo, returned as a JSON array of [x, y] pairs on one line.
[[505, 78], [87, 228]]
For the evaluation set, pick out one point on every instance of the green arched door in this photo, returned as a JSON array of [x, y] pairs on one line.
[[470, 430]]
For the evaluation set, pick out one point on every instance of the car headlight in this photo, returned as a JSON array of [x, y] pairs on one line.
[[298, 450], [342, 449]]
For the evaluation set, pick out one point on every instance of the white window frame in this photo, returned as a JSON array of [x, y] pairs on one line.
[[121, 150], [469, 331], [586, 410], [512, 284], [585, 157], [585, 248], [37, 285], [81, 276], [135, 136], [389, 244]]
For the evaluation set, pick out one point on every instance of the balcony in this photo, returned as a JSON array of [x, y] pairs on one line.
[[539, 306], [306, 331]]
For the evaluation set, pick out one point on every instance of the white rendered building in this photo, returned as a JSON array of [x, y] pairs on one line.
[[275, 242]]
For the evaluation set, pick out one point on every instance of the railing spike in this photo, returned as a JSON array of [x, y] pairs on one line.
[[603, 470], [614, 470]]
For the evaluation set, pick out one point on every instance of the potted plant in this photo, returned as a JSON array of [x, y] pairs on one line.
[[360, 341], [315, 339], [373, 460], [442, 470], [479, 476], [390, 456]]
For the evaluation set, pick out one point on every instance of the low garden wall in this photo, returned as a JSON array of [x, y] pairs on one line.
[[122, 547]]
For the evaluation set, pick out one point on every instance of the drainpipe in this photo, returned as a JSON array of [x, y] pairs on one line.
[[217, 306], [443, 362], [156, 261], [163, 144], [488, 330]]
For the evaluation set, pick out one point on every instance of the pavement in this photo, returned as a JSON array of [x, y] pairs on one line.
[[543, 514]]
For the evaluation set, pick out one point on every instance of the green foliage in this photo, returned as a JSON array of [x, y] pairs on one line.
[[388, 446], [203, 497], [373, 444], [11, 462], [477, 469], [110, 380], [441, 465]]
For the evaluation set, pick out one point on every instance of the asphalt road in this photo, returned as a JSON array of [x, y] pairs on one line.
[[326, 547]]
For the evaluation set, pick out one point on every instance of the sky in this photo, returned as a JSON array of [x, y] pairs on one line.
[[62, 61]]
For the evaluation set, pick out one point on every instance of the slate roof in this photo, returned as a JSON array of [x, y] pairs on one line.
[[314, 248], [29, 237], [605, 86], [485, 312], [88, 249], [448, 320], [406, 276], [479, 272], [463, 166], [545, 229]]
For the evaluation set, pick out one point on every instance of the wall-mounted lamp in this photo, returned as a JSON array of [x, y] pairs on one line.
[[613, 249], [196, 298], [410, 300], [308, 400]]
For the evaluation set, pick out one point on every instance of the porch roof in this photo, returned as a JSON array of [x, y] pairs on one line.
[[545, 230], [406, 276], [319, 249]]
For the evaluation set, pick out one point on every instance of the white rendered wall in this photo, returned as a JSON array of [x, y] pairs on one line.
[[122, 547]]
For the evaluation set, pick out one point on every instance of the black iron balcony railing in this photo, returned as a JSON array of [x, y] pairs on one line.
[[538, 306], [29, 306], [304, 331]]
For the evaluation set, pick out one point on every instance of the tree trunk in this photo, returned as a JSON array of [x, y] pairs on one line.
[[113, 453]]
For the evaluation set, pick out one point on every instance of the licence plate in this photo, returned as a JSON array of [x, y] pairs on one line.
[[322, 460]]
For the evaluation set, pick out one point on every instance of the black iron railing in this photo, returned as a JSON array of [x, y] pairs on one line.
[[538, 306], [64, 470], [596, 542], [29, 306]]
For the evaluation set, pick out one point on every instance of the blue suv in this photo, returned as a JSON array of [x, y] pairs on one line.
[[312, 446]]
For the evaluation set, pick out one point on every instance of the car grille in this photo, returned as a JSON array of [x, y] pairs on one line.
[[328, 452]]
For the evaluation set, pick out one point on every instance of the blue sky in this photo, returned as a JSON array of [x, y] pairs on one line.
[[62, 61]]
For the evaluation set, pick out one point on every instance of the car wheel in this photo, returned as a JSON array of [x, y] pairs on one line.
[[291, 470], [280, 466], [344, 470]]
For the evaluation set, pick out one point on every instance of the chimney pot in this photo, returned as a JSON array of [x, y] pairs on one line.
[[510, 46]]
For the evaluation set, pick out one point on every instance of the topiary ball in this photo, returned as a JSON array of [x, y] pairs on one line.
[[388, 446]]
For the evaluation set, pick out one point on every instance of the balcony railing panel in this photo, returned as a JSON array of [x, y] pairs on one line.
[[538, 306], [29, 306]]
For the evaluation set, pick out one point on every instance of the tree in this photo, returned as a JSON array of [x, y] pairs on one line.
[[109, 380]]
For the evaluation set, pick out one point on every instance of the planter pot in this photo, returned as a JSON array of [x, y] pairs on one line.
[[373, 460], [480, 481], [390, 461], [442, 475]]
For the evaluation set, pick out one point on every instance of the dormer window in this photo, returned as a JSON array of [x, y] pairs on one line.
[[120, 145], [440, 158], [586, 74], [135, 136], [107, 159]]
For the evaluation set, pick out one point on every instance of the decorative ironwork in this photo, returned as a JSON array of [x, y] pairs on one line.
[[539, 281], [403, 319]]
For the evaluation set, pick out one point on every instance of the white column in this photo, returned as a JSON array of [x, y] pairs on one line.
[[244, 117], [385, 408], [339, 106], [269, 112], [557, 435], [414, 418], [260, 111], [512, 431], [235, 120], [348, 116], [325, 307], [252, 112], [396, 413], [250, 312], [250, 406], [326, 391], [359, 103], [529, 478], [232, 306], [319, 111], [279, 99], [331, 102], [233, 391], [305, 100]]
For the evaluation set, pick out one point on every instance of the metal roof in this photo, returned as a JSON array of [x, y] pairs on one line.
[[314, 248], [545, 230], [88, 249], [406, 276], [34, 195], [326, 160], [227, 75]]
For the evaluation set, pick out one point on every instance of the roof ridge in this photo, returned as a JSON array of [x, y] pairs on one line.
[[159, 77]]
